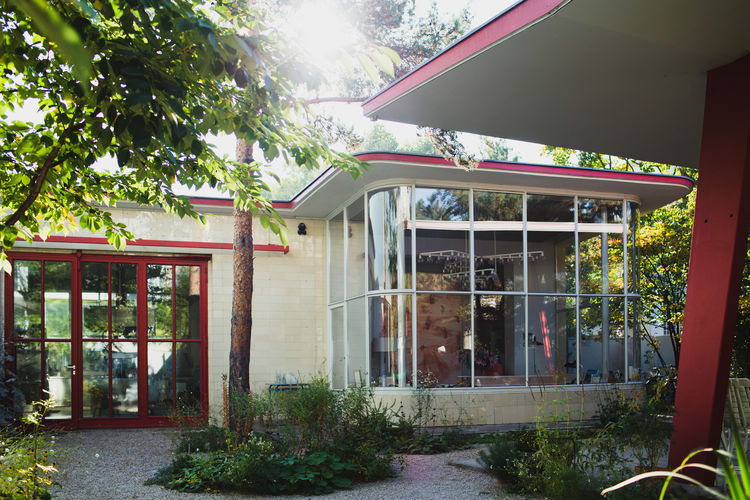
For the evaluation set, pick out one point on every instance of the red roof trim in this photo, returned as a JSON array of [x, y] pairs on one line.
[[537, 169], [508, 22], [226, 202], [90, 240]]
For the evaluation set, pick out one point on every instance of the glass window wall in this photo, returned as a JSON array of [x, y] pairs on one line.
[[508, 289]]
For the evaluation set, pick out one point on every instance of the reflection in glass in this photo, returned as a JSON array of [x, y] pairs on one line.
[[632, 248], [599, 211], [356, 341], [355, 259], [499, 346], [549, 208], [187, 302], [444, 337], [390, 341], [602, 339], [336, 266], [28, 359], [188, 376], [27, 299], [338, 352], [490, 206], [552, 339], [57, 306], [94, 290], [124, 379], [633, 342], [159, 301], [551, 261], [498, 260], [601, 267], [57, 383], [442, 204], [388, 213], [95, 371], [124, 300], [442, 260], [160, 392]]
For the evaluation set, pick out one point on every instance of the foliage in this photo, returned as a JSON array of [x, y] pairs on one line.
[[640, 426], [10, 395], [159, 81], [26, 469], [318, 440], [738, 486]]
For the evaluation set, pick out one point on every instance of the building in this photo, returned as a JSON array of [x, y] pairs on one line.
[[500, 284]]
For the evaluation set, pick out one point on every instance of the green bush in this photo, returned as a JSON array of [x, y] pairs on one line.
[[204, 439]]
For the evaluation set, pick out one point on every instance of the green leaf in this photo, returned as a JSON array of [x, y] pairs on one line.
[[368, 66], [49, 23]]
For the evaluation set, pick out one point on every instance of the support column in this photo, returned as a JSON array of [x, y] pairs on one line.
[[722, 214]]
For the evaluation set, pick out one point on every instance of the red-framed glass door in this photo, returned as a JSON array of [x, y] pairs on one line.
[[136, 351]]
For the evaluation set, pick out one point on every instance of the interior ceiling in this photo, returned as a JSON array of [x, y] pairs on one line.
[[623, 77]]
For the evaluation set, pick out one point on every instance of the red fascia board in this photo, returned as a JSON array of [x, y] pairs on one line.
[[537, 169], [225, 202], [508, 22], [90, 240]]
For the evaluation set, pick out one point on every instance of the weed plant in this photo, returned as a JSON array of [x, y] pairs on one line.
[[26, 469]]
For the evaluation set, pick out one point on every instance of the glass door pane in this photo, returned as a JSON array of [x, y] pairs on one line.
[[95, 371], [58, 384], [124, 379]]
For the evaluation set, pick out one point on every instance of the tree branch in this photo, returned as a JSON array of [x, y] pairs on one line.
[[38, 180]]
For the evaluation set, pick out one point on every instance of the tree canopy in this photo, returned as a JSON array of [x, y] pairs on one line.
[[160, 77]]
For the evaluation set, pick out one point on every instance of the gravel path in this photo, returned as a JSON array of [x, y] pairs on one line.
[[114, 463]]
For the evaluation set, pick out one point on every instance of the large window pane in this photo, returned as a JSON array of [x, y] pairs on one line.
[[490, 206], [124, 300], [95, 371], [336, 251], [390, 341], [498, 260], [159, 301], [388, 211], [124, 379], [601, 267], [356, 340], [338, 351], [602, 339], [160, 390], [442, 204], [549, 208], [27, 299], [355, 259], [443, 337], [95, 306], [632, 248], [633, 342], [442, 260], [57, 360], [57, 305], [28, 359], [499, 349], [552, 340], [551, 261], [599, 211], [187, 302], [188, 376]]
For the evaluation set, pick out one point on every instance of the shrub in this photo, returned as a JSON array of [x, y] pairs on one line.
[[502, 457]]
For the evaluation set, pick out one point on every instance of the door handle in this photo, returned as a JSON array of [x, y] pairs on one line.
[[72, 367]]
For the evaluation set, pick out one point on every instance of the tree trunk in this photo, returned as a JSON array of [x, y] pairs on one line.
[[242, 300]]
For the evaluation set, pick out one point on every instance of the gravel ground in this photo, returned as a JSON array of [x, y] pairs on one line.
[[114, 463]]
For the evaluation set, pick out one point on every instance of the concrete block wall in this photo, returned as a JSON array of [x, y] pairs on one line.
[[508, 405]]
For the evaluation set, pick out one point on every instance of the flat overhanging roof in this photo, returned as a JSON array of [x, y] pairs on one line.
[[334, 187], [623, 77]]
